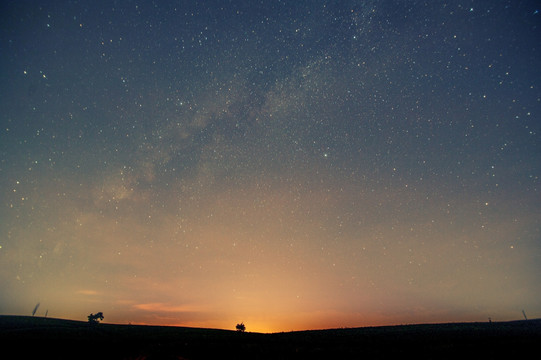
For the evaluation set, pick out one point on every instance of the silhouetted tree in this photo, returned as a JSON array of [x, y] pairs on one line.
[[241, 327], [95, 318]]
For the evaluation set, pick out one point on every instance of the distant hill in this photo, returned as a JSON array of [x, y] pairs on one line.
[[35, 337]]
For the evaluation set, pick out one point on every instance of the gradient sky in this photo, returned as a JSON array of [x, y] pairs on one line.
[[289, 164]]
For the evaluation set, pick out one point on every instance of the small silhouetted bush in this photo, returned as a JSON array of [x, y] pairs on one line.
[[95, 318]]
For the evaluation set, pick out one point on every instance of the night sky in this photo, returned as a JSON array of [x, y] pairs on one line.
[[286, 164]]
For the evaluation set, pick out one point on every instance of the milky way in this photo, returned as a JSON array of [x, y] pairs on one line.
[[291, 165]]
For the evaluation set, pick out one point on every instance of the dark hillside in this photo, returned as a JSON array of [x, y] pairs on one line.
[[33, 337]]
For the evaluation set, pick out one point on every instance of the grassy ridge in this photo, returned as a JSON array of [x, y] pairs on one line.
[[34, 337]]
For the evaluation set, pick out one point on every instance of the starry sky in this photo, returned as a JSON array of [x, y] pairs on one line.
[[287, 164]]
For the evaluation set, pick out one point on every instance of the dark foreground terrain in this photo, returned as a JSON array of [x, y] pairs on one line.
[[33, 337]]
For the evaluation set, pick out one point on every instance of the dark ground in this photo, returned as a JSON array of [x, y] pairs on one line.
[[33, 337]]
